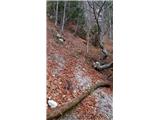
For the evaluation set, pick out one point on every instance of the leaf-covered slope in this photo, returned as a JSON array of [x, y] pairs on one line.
[[70, 73]]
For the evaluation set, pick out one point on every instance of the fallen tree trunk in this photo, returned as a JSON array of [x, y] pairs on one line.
[[62, 109]]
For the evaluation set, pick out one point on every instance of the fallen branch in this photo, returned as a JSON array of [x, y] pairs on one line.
[[99, 66], [62, 109]]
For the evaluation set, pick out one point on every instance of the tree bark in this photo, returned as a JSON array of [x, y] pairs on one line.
[[56, 14], [88, 22], [62, 109], [88, 38], [76, 26], [100, 30], [64, 13]]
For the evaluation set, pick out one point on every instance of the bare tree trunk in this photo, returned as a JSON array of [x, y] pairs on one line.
[[88, 38], [110, 30], [88, 22], [56, 14], [76, 26], [110, 25], [100, 29], [79, 5], [64, 13]]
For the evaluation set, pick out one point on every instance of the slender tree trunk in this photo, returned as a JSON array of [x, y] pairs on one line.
[[56, 14], [63, 22], [77, 21], [88, 38], [76, 26], [88, 21], [100, 30], [110, 29]]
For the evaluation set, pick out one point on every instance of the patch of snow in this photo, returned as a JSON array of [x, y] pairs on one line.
[[103, 103], [83, 80]]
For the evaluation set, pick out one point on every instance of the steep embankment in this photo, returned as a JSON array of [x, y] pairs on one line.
[[69, 74]]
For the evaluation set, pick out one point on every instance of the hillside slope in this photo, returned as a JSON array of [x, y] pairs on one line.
[[70, 73]]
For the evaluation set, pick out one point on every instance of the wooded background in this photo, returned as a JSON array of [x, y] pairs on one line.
[[93, 20]]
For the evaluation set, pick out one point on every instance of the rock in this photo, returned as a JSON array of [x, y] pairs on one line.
[[51, 103], [63, 96], [58, 35], [61, 40]]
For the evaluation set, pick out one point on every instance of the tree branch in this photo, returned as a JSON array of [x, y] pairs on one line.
[[97, 4], [108, 6], [101, 8], [89, 4], [96, 18]]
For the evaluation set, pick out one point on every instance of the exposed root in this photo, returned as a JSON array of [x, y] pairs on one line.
[[99, 66]]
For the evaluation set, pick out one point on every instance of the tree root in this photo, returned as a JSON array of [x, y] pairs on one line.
[[99, 66], [57, 112]]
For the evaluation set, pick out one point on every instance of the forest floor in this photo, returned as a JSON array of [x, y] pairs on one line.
[[70, 72]]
